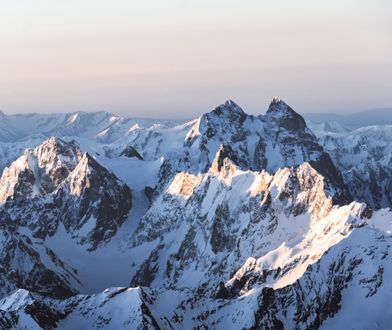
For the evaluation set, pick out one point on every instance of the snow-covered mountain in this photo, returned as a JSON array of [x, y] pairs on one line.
[[364, 157], [371, 117], [55, 183], [99, 132], [226, 221]]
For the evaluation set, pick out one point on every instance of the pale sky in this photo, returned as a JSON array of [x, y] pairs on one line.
[[179, 58]]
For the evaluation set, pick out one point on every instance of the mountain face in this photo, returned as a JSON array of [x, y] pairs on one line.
[[227, 221], [56, 184], [39, 171], [226, 214], [276, 140]]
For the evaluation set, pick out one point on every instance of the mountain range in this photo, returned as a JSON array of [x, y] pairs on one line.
[[378, 116], [227, 221]]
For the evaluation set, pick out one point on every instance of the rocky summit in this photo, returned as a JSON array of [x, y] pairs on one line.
[[227, 221]]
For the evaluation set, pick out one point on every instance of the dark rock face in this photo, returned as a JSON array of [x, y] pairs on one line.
[[94, 194], [225, 151], [265, 317], [44, 315], [260, 160], [220, 237], [8, 320], [222, 292], [22, 267], [285, 116], [325, 167], [146, 274], [149, 192], [130, 152]]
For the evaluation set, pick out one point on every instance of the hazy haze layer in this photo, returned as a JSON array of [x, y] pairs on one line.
[[179, 58]]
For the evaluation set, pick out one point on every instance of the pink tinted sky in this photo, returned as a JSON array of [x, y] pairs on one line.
[[180, 58]]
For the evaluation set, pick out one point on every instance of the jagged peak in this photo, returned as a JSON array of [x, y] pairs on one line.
[[81, 115], [228, 108], [88, 162], [305, 173], [225, 158], [227, 116], [184, 184], [55, 152], [39, 171], [79, 179], [278, 106], [306, 185], [87, 165], [53, 143], [284, 115]]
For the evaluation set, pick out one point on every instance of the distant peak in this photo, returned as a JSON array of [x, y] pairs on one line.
[[279, 106], [286, 117], [231, 103], [228, 108], [55, 143]]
